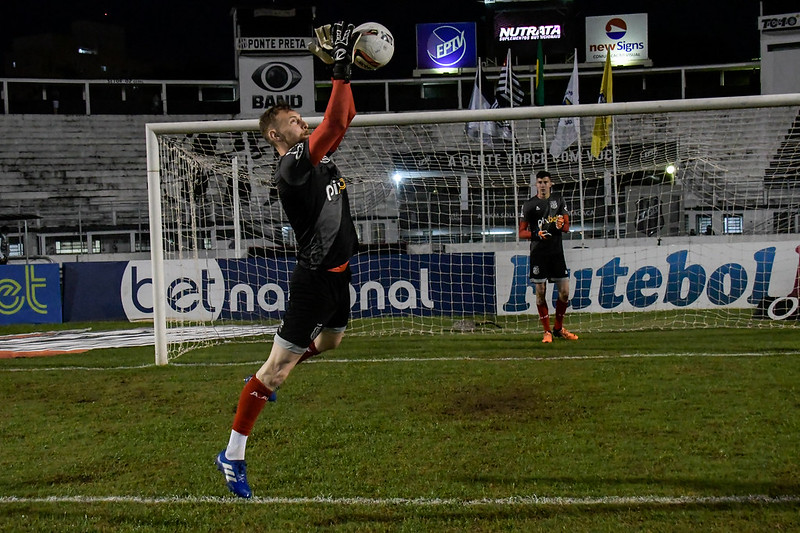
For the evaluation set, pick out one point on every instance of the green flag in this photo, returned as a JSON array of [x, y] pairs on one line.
[[538, 91]]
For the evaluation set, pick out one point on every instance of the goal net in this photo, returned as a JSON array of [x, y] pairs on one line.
[[689, 217]]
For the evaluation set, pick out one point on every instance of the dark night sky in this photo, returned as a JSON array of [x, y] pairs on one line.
[[194, 39]]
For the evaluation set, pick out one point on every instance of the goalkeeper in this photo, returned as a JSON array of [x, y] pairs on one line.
[[313, 195], [544, 219]]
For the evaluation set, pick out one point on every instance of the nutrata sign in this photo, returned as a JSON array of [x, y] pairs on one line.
[[623, 36], [446, 45], [529, 33]]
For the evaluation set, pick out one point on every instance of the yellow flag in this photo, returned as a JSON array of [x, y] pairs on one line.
[[601, 133]]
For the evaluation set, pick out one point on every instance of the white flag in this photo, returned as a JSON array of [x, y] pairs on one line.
[[568, 127], [481, 92]]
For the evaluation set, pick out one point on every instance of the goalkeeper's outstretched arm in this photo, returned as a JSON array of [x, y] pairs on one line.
[[340, 112], [341, 108]]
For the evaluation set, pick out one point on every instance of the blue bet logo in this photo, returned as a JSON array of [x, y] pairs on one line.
[[30, 294]]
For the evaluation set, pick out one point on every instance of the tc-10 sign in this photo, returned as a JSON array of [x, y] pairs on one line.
[[779, 22]]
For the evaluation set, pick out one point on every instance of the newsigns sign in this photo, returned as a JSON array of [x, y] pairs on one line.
[[622, 36]]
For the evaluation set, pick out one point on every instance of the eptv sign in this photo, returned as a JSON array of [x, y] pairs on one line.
[[447, 45], [623, 36]]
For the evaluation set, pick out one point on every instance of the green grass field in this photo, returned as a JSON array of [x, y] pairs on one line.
[[684, 430]]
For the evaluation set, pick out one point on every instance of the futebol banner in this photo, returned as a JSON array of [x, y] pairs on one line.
[[659, 278]]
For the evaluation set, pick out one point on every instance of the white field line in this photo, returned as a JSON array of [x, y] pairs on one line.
[[556, 501], [324, 360]]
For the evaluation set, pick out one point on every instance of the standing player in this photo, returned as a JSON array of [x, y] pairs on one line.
[[313, 196], [544, 219], [4, 247]]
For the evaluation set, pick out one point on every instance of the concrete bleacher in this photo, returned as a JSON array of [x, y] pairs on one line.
[[76, 171]]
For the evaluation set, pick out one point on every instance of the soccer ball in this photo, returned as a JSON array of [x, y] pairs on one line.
[[375, 46]]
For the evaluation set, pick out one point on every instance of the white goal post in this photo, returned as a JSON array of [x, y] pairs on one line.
[[437, 211]]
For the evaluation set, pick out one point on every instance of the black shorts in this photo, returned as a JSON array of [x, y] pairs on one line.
[[317, 300], [548, 267]]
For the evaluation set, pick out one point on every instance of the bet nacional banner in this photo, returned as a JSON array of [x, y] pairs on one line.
[[235, 289], [30, 294]]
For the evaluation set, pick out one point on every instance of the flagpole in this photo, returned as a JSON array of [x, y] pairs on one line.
[[544, 148], [483, 167], [614, 178], [513, 150], [580, 177]]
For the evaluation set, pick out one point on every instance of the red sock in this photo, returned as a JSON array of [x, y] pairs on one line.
[[544, 316], [251, 402], [310, 352], [561, 309]]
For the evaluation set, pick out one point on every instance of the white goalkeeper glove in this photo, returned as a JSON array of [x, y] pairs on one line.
[[323, 48]]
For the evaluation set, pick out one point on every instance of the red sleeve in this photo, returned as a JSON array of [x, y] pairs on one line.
[[340, 112], [524, 230]]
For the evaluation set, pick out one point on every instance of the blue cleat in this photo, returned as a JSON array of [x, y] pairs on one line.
[[235, 473]]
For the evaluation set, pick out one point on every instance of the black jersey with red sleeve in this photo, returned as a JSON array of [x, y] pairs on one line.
[[314, 198], [313, 192], [541, 214]]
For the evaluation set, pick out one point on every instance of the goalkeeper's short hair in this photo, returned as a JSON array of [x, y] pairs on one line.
[[269, 117]]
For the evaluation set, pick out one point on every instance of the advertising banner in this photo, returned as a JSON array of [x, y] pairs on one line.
[[30, 294], [760, 276], [249, 289], [446, 45], [623, 36], [91, 291], [656, 278], [268, 80], [524, 31]]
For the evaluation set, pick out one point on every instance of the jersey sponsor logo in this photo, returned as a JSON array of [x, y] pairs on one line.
[[334, 188]]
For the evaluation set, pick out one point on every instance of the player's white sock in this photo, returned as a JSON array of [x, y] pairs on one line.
[[236, 446]]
